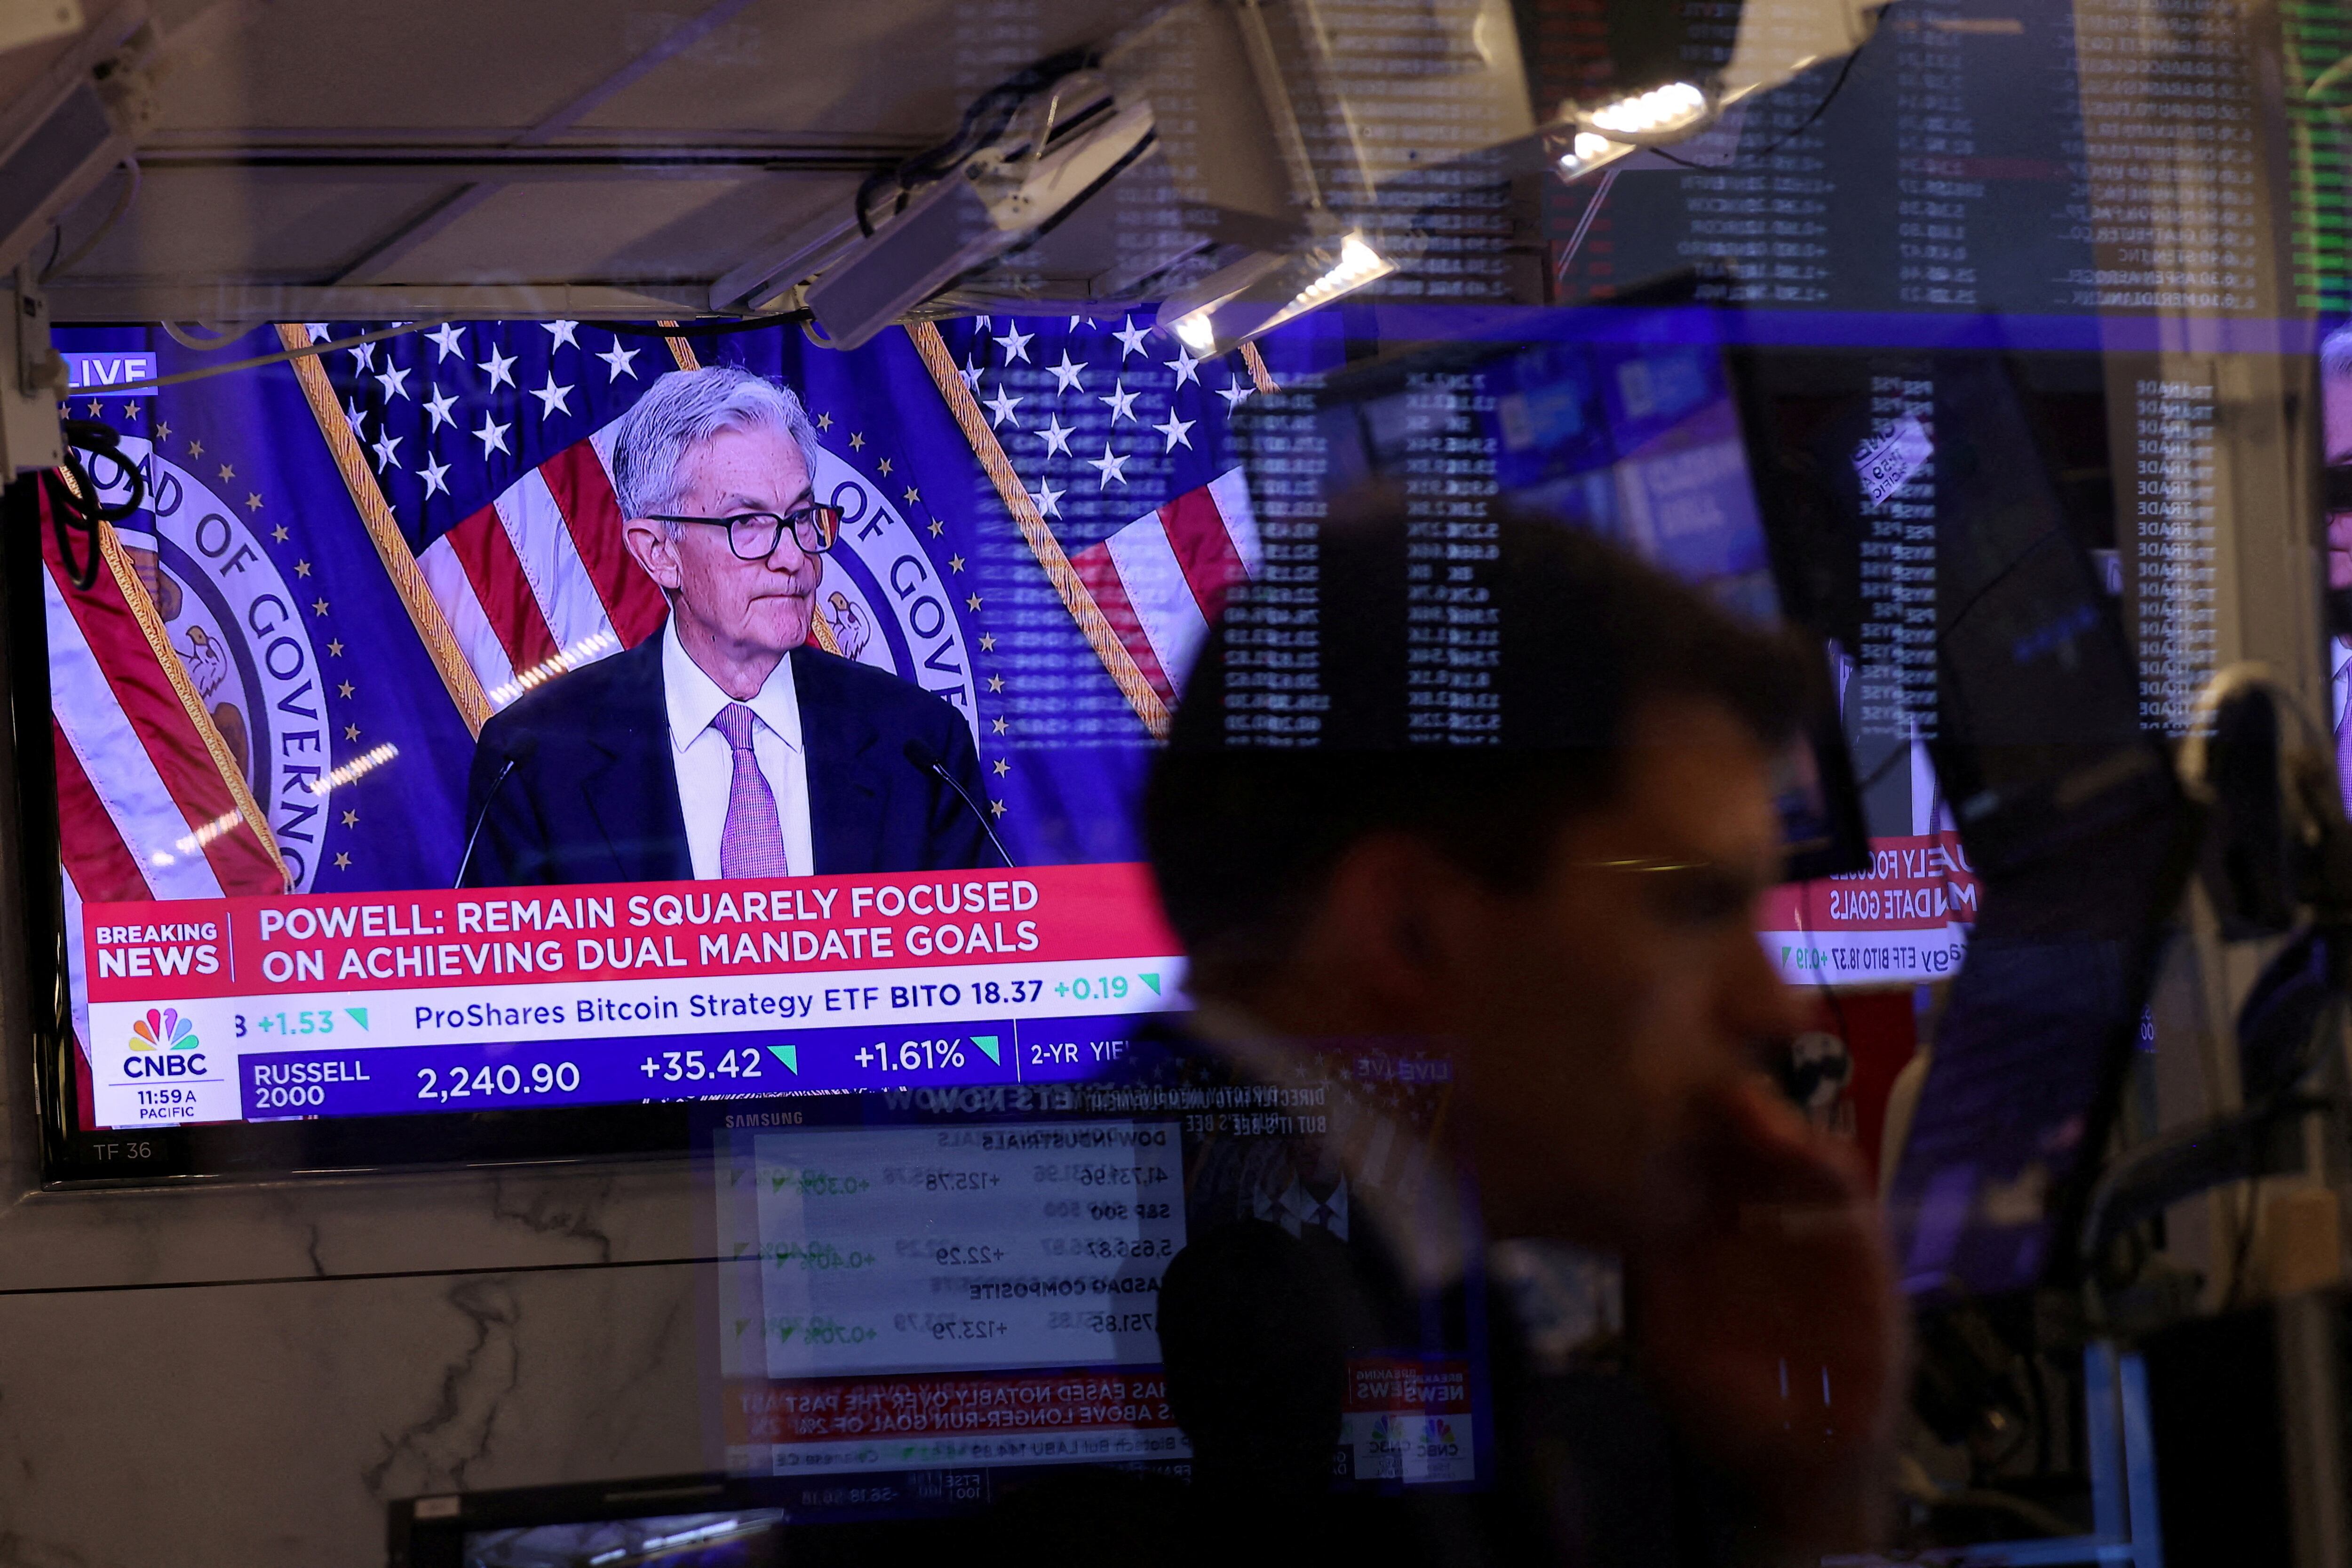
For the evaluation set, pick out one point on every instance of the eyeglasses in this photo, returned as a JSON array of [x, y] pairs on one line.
[[753, 534]]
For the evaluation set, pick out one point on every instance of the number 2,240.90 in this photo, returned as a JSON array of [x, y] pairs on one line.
[[507, 1077]]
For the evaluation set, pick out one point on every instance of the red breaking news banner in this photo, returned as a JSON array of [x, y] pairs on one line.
[[222, 947], [1919, 883], [1430, 1387]]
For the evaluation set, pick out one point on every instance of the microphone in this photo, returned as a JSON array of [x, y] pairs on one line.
[[518, 750], [927, 761]]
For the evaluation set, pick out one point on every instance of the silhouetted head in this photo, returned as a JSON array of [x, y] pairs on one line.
[[1255, 1336]]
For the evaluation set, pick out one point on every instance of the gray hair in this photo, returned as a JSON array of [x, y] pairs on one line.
[[685, 409]]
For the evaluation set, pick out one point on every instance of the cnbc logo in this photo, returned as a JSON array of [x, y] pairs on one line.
[[1431, 1437], [163, 1030], [164, 1046]]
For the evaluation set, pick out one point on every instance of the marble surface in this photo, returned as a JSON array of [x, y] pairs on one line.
[[391, 1222], [245, 1374], [262, 1425]]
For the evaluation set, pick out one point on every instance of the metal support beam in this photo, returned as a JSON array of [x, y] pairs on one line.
[[252, 303], [435, 218]]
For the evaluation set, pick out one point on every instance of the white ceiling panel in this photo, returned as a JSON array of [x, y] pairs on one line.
[[304, 152]]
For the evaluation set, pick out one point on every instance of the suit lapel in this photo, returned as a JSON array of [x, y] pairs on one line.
[[632, 790], [838, 740]]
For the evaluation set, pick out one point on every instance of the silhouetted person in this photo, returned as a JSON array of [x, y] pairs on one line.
[[1559, 895], [1256, 1329], [1255, 1339]]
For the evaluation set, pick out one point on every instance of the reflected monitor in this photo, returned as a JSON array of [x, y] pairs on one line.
[[1631, 433]]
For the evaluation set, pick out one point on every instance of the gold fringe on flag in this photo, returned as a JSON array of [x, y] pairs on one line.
[[1042, 543], [1262, 376], [399, 565], [159, 642]]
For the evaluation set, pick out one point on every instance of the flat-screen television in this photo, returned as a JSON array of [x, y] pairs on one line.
[[388, 796]]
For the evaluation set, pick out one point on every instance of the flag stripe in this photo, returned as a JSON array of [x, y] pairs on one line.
[[140, 671], [1163, 600], [92, 851], [1197, 539], [542, 542], [486, 552], [1099, 575], [446, 580], [1230, 490], [95, 717], [576, 479]]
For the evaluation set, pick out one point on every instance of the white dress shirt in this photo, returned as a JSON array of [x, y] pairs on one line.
[[705, 764]]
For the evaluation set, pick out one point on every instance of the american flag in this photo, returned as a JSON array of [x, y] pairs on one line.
[[149, 806], [1120, 438], [491, 443]]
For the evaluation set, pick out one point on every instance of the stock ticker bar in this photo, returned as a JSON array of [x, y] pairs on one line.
[[477, 1000]]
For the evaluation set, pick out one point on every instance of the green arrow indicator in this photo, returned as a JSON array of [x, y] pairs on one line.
[[359, 1016], [988, 1043], [1152, 981], [788, 1054]]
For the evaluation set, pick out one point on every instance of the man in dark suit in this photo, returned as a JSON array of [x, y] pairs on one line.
[[725, 746], [1567, 917]]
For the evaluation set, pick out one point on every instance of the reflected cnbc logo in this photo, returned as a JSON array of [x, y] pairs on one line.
[[163, 1030]]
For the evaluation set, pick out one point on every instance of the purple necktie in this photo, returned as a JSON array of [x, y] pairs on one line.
[[752, 843]]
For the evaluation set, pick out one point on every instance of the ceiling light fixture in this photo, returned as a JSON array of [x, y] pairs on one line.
[[1667, 111], [1655, 117], [1260, 292], [1587, 152]]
